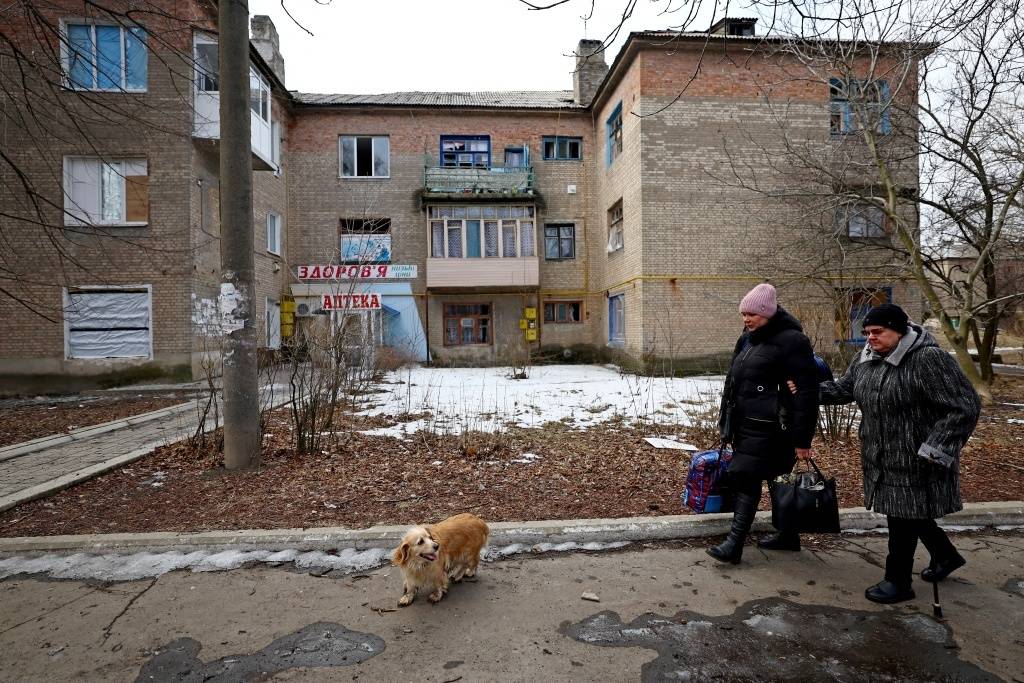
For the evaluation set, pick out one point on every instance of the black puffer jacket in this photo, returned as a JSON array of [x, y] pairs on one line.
[[760, 417]]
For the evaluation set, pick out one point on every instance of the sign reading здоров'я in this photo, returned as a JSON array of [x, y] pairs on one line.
[[339, 302], [356, 272]]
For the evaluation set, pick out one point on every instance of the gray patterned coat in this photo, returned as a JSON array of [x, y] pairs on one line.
[[917, 411]]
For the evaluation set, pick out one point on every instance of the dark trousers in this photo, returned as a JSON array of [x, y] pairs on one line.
[[903, 536]]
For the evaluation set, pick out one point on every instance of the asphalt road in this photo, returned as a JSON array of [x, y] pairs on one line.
[[665, 613]]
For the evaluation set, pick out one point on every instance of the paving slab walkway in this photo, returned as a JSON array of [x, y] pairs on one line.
[[35, 469]]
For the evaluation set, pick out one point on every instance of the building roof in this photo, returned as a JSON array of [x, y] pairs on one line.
[[511, 99]]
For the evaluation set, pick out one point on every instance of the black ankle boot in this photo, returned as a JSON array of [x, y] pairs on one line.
[[731, 549], [783, 540]]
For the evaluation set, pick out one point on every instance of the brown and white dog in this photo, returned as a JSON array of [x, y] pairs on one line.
[[429, 556]]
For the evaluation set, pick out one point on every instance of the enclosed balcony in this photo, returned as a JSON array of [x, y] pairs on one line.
[[485, 246], [206, 124]]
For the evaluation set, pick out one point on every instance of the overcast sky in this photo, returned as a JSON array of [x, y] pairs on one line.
[[375, 46]]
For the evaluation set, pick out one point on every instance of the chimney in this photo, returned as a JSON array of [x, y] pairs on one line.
[[264, 38], [590, 71]]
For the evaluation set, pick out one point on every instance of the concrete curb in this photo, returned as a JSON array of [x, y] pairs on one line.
[[502, 533], [44, 442]]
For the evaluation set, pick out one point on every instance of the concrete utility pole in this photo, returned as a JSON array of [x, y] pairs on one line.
[[238, 272]]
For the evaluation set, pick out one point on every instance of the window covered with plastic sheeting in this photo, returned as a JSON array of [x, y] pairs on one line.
[[108, 324]]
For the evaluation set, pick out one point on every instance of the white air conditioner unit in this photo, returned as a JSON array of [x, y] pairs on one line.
[[303, 310]]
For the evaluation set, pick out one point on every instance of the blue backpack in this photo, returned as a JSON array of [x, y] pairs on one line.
[[703, 479]]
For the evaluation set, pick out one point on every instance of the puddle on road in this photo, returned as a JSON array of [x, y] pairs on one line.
[[317, 645], [777, 640]]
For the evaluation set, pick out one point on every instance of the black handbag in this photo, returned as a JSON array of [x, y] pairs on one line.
[[805, 502]]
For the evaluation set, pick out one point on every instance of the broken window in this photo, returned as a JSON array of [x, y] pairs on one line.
[[615, 234], [559, 241], [466, 151], [563, 312], [207, 64], [105, 192], [562, 148], [365, 156], [856, 103]]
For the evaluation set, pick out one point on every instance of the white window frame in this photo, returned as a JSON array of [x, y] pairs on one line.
[[274, 246], [620, 329], [65, 57], [66, 303], [452, 222], [355, 159], [68, 192]]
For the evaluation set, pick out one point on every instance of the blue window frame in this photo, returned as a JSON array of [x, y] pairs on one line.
[[517, 157], [873, 96], [617, 320], [101, 57], [466, 151], [613, 133], [560, 148], [859, 302]]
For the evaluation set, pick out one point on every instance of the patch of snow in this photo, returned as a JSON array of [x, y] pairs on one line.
[[114, 567], [491, 553], [658, 442], [461, 400], [527, 458], [955, 528], [862, 532], [1009, 527], [1015, 421]]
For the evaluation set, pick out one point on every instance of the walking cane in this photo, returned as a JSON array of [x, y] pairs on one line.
[[936, 607]]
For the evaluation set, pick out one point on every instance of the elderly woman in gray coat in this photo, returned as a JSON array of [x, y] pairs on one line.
[[917, 411]]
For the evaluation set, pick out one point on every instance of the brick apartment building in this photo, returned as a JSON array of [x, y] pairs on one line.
[[594, 219]]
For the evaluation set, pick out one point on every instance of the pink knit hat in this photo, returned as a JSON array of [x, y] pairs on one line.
[[760, 300]]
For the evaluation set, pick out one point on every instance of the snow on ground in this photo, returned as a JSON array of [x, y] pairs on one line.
[[487, 399], [115, 567]]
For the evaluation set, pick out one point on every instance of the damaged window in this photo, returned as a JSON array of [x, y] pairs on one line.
[[108, 324], [105, 191], [466, 151], [563, 312], [365, 156], [562, 148]]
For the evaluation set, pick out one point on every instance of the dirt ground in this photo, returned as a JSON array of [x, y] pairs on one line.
[[24, 419], [550, 473]]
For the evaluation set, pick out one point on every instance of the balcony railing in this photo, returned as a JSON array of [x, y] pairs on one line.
[[513, 180]]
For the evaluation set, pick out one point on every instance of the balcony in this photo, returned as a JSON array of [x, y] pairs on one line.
[[454, 182], [455, 273], [206, 105]]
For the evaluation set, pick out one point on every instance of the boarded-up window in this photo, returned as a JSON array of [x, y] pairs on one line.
[[108, 324]]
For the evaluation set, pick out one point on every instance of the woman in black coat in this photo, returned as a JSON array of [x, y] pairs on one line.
[[917, 411], [767, 425]]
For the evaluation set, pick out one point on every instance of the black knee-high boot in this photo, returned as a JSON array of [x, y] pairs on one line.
[[731, 549]]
